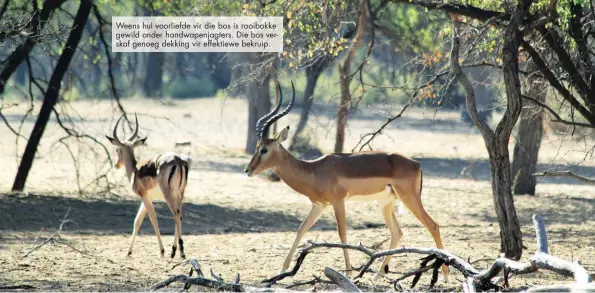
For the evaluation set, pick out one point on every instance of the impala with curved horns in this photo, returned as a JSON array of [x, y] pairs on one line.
[[333, 179], [163, 176]]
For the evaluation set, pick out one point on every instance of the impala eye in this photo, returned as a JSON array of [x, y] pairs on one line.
[[263, 151]]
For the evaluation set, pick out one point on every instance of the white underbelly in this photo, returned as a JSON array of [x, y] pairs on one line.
[[384, 195]]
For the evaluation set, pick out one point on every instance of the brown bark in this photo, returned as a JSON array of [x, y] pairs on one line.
[[497, 141], [346, 76], [259, 104], [52, 94], [526, 150]]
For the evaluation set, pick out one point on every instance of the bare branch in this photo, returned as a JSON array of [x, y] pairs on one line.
[[102, 22], [566, 174], [341, 280], [371, 136]]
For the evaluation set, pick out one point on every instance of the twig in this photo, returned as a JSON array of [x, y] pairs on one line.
[[315, 280], [341, 280], [217, 277], [53, 236]]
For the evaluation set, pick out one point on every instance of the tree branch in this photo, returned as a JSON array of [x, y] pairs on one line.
[[555, 83], [558, 118], [457, 8], [483, 127], [566, 174], [341, 280]]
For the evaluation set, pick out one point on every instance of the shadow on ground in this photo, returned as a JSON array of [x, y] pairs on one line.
[[34, 212]]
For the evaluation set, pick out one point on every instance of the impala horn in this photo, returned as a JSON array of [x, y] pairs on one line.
[[115, 132], [278, 116], [263, 119]]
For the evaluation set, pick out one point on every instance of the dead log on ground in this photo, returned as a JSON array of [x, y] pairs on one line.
[[474, 278]]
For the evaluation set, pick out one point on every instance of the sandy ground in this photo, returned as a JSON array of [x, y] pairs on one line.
[[233, 223]]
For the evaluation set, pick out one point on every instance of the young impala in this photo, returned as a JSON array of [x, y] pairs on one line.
[[163, 176], [335, 178]]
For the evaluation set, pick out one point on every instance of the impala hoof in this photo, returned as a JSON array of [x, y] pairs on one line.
[[129, 254], [162, 252], [173, 251]]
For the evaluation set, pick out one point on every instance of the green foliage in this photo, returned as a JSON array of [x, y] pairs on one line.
[[191, 88]]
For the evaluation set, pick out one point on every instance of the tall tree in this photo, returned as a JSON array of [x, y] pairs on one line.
[[497, 140], [346, 76], [153, 78], [530, 131], [52, 93], [259, 100]]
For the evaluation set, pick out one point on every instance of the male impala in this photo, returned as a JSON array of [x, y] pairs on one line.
[[163, 176], [335, 178]]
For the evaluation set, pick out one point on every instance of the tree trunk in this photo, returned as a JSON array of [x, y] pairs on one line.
[[312, 74], [52, 94], [259, 104], [510, 231], [153, 83], [342, 115], [346, 76], [526, 149], [497, 141]]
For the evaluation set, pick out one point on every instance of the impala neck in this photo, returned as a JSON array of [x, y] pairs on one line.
[[130, 167], [293, 171]]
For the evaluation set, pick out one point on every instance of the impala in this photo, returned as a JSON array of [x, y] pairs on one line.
[[333, 179], [163, 176]]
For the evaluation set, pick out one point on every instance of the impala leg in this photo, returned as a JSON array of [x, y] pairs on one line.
[[172, 203], [153, 217], [390, 218], [412, 200], [140, 216], [339, 209], [310, 220], [178, 219]]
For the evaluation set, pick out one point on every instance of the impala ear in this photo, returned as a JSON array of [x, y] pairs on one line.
[[282, 136], [113, 141], [139, 142]]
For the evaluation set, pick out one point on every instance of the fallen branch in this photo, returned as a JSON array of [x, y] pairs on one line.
[[315, 280], [481, 280], [54, 237], [475, 280], [341, 280], [566, 174], [17, 287]]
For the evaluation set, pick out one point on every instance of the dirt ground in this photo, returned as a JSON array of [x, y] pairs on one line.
[[233, 223]]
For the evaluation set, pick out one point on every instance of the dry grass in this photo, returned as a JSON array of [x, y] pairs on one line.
[[234, 223]]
